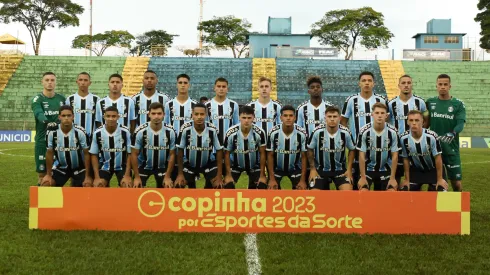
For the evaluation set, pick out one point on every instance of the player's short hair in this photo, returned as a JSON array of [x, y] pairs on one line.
[[184, 76], [199, 105], [111, 109], [116, 75], [443, 76], [84, 73], [221, 79], [331, 109], [415, 112], [248, 110], [379, 105], [156, 105], [313, 79], [203, 98], [263, 78], [366, 73], [288, 108], [152, 72], [405, 75], [48, 73], [66, 107]]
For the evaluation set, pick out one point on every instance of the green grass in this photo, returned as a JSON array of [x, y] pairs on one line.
[[23, 251]]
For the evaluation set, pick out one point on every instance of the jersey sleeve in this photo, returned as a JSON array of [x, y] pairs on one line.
[[82, 138], [166, 119], [270, 143], [394, 144], [236, 110], [172, 140], [278, 114], [94, 147], [217, 145], [49, 139], [347, 109], [461, 114], [228, 143], [37, 109], [67, 102], [423, 106], [132, 113], [403, 151], [138, 141], [391, 114], [435, 147], [181, 140], [263, 138], [361, 142], [300, 118], [128, 142], [349, 143], [312, 143], [98, 112], [303, 143]]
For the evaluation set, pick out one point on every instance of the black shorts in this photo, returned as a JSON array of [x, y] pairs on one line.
[[159, 174], [209, 171], [419, 178], [107, 175], [323, 183], [61, 176], [294, 176], [379, 179], [253, 177]]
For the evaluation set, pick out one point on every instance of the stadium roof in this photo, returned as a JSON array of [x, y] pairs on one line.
[[9, 39], [419, 34]]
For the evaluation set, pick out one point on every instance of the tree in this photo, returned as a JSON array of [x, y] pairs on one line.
[[102, 41], [37, 15], [484, 18], [225, 33], [195, 52], [344, 29], [153, 37]]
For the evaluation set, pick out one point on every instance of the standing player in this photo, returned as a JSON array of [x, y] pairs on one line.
[[112, 142], [267, 110], [222, 112], [153, 150], [179, 110], [310, 114], [286, 152], [421, 153], [378, 152], [326, 153], [198, 143], [83, 103], [446, 117], [356, 112], [123, 104], [67, 143], [45, 107], [245, 152], [399, 107], [143, 99]]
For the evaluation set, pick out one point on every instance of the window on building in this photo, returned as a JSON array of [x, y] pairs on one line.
[[274, 45], [431, 39], [451, 39], [286, 45]]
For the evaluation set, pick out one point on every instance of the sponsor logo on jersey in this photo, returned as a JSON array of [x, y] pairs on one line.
[[446, 116], [51, 113]]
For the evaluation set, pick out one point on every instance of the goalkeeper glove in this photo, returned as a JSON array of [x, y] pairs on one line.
[[447, 138]]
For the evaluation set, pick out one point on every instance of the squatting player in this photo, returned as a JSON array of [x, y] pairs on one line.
[[68, 143], [244, 151], [45, 107], [378, 152], [286, 152], [446, 117], [153, 150], [421, 154], [326, 153], [267, 110]]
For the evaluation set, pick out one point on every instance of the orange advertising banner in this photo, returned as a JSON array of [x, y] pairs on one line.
[[183, 210]]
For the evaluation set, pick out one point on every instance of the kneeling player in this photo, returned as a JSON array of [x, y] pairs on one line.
[[378, 152], [113, 143], [153, 151], [245, 152], [421, 153], [286, 151], [326, 153], [68, 143], [197, 143]]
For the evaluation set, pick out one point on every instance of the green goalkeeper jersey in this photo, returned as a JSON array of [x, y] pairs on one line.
[[45, 110], [444, 115]]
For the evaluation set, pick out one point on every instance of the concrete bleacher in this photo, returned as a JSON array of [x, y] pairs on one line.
[[203, 73], [15, 104], [340, 78], [470, 82]]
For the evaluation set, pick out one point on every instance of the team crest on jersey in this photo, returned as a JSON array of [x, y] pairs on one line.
[[272, 112], [61, 103], [296, 143], [75, 140], [450, 109], [388, 140], [433, 107], [341, 143]]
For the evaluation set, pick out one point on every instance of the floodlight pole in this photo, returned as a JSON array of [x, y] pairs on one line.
[[90, 31]]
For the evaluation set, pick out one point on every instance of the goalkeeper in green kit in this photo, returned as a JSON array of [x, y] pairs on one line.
[[45, 107], [446, 116]]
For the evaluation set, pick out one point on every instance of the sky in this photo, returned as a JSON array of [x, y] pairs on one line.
[[403, 19]]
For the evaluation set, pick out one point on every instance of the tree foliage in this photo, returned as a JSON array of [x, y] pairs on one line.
[[345, 29], [225, 33], [159, 38], [102, 41], [37, 15], [484, 18]]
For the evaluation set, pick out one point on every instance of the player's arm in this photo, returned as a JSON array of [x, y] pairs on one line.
[[304, 164], [394, 161], [350, 162], [263, 162], [98, 115], [132, 125], [362, 148], [48, 179], [439, 167], [218, 180], [88, 179], [346, 113], [134, 163], [94, 157], [426, 117], [228, 176], [180, 162], [311, 163], [38, 111], [167, 180], [270, 168]]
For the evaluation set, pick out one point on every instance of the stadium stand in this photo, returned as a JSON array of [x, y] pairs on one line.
[[340, 78], [203, 73], [15, 104], [470, 83], [391, 70], [264, 67], [8, 65], [133, 72]]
